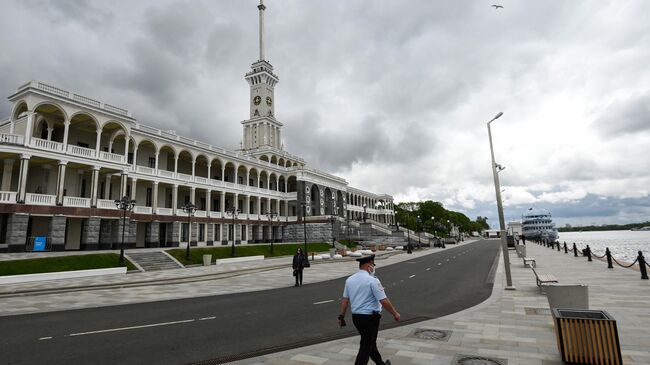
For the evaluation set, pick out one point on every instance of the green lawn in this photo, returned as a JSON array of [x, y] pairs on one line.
[[349, 244], [222, 252], [62, 263]]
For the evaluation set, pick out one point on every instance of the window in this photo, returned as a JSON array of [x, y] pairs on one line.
[[130, 158], [184, 232], [243, 232], [152, 162], [201, 232], [149, 197]]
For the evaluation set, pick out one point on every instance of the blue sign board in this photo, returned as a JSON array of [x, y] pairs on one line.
[[39, 243]]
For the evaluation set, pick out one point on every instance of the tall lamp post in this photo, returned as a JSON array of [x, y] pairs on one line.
[[189, 208], [364, 212], [497, 189], [270, 215], [304, 226], [419, 221], [333, 220], [232, 212], [125, 204]]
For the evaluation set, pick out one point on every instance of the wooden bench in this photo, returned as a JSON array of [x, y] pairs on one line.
[[543, 278], [529, 261]]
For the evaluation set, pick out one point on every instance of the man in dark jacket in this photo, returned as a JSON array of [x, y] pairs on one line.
[[298, 265]]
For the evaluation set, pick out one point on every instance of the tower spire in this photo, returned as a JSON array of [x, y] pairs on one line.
[[261, 7]]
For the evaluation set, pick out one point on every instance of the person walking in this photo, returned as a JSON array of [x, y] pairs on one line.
[[298, 265], [366, 297]]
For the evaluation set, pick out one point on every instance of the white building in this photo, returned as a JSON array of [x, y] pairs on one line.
[[67, 157]]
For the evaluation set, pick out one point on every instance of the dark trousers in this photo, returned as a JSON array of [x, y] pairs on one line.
[[298, 277], [368, 326]]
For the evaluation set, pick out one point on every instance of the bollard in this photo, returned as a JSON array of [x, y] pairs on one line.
[[566, 250], [558, 245], [575, 250], [644, 271], [609, 258], [588, 254]]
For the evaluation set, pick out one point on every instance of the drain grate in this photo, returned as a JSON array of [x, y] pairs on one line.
[[431, 334], [537, 311], [477, 360]]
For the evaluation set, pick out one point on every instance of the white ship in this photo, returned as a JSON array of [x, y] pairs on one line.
[[538, 225]]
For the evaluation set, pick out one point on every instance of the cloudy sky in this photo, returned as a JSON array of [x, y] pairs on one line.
[[394, 96]]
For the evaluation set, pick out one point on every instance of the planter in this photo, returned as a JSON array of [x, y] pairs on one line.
[[207, 260], [574, 296], [587, 336]]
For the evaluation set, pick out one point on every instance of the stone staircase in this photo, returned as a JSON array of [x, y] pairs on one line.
[[153, 260]]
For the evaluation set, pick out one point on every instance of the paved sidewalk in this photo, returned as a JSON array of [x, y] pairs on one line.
[[506, 326]]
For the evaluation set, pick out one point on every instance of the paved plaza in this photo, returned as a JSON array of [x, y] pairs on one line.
[[511, 325]]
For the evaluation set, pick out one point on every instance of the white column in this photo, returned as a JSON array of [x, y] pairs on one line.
[[22, 177], [93, 186], [156, 166], [123, 181], [175, 164], [223, 173], [259, 205], [6, 174], [49, 134], [209, 173], [248, 205], [135, 156], [134, 187], [174, 199], [98, 142], [208, 202], [223, 202], [60, 182], [28, 127], [193, 195], [268, 181], [66, 130], [194, 167], [107, 187], [126, 148], [248, 176], [236, 201], [154, 197]]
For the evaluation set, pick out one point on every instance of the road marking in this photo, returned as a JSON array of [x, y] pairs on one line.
[[324, 301], [412, 276], [428, 268], [45, 338], [206, 318], [130, 328], [439, 264], [447, 259]]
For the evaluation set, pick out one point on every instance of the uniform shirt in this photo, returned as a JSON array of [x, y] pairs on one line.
[[364, 292]]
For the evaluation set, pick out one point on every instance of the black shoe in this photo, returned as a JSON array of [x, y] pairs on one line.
[[296, 285], [387, 362]]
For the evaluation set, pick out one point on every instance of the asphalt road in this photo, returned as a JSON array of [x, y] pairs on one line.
[[219, 327]]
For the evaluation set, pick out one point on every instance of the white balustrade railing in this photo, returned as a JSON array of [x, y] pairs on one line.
[[8, 138], [184, 177], [216, 182], [40, 199], [201, 180], [200, 213], [165, 173], [46, 145], [106, 204], [145, 170], [230, 185], [292, 218], [253, 217], [73, 201], [81, 151], [291, 196], [215, 214], [165, 211], [7, 196], [141, 210], [111, 157]]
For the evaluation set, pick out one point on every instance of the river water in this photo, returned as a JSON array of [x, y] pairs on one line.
[[624, 245]]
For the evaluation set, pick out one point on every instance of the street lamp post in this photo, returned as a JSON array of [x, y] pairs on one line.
[[333, 219], [125, 204], [304, 226], [497, 189], [270, 215], [189, 208], [364, 212], [232, 212], [419, 221]]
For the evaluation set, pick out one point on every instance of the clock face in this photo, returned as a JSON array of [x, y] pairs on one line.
[[269, 101], [257, 100]]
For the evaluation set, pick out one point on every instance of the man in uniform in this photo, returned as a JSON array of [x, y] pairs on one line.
[[366, 297]]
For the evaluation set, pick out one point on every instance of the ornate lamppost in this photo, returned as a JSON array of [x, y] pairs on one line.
[[270, 215], [364, 212], [125, 204], [189, 208], [419, 221], [304, 230], [232, 212]]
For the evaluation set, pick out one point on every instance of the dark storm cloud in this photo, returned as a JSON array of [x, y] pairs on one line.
[[60, 12], [625, 116]]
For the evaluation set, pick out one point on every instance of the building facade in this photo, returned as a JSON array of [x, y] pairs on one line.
[[67, 157]]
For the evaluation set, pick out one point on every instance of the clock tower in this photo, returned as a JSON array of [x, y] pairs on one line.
[[262, 129]]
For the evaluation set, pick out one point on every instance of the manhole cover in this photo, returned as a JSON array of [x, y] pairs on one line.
[[431, 334], [477, 360], [537, 311]]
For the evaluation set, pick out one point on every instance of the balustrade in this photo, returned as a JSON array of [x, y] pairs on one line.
[[201, 180], [165, 173], [73, 201], [105, 204], [215, 214], [164, 211], [200, 213], [11, 138], [145, 170], [141, 210], [7, 196], [184, 177], [46, 145], [40, 199], [81, 151], [111, 157]]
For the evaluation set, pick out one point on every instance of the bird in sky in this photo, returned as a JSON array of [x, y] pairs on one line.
[[497, 6]]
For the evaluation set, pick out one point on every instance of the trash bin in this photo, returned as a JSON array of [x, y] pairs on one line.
[[207, 260], [587, 336], [567, 296]]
